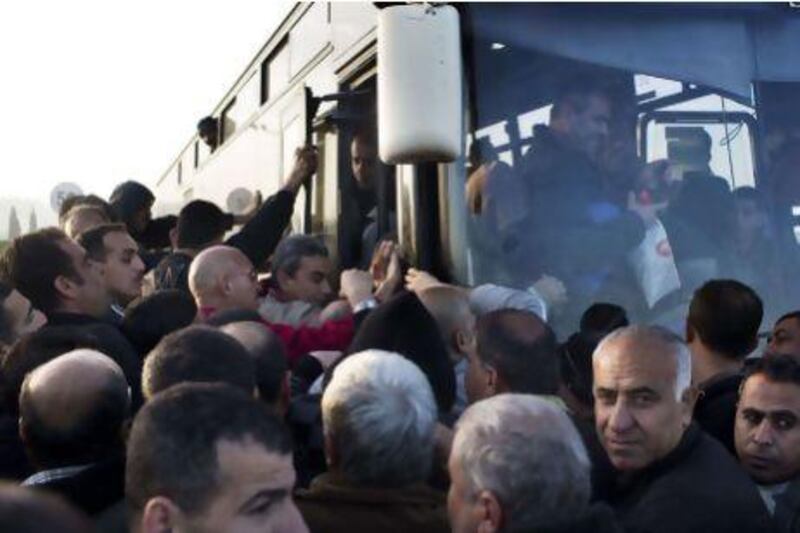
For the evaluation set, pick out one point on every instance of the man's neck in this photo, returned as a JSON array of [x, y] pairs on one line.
[[708, 364]]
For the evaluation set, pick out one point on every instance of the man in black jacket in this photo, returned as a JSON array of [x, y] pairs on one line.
[[670, 476], [202, 224], [59, 278], [721, 330]]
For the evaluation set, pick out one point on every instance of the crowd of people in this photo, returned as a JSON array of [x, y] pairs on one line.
[[151, 381]]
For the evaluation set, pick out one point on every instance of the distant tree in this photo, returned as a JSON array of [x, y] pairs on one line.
[[33, 224], [14, 229]]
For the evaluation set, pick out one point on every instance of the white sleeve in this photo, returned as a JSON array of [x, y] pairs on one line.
[[487, 298]]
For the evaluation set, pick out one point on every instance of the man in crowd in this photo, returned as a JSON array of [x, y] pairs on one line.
[[721, 330], [768, 435], [538, 476], [300, 287], [378, 416], [670, 476], [72, 412], [198, 354], [449, 306], [112, 246], [222, 278], [149, 319], [132, 204], [58, 277], [207, 457], [23, 510], [202, 224], [17, 316], [83, 217], [785, 336], [515, 352], [269, 356]]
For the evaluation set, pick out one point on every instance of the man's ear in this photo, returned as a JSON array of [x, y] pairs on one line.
[[490, 513], [65, 287], [462, 341], [160, 515], [494, 383], [282, 278], [688, 399]]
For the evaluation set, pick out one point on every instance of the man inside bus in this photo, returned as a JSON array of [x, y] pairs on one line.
[[721, 330], [202, 224], [112, 246], [574, 229], [768, 435], [208, 131], [222, 278], [669, 475]]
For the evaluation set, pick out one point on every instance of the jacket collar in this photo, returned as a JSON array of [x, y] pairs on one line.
[[333, 486]]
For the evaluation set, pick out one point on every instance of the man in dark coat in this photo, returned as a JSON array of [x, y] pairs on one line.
[[538, 478], [379, 416], [670, 476], [721, 330]]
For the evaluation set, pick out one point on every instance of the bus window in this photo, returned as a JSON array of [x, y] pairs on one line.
[[597, 184], [275, 71]]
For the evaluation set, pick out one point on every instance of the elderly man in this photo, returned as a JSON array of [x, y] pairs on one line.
[[72, 412], [222, 278], [378, 415], [670, 476], [208, 458], [768, 435], [538, 475]]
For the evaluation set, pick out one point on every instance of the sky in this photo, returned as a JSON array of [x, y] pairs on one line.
[[97, 92]]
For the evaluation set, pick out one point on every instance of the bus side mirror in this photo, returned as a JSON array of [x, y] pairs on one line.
[[419, 84]]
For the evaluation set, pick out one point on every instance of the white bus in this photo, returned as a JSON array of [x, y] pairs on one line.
[[710, 89]]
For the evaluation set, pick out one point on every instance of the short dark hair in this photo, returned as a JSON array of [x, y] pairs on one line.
[[148, 319], [207, 125], [527, 362], [576, 93], [271, 362], [293, 249], [726, 315], [197, 354], [779, 368], [793, 315], [36, 349], [200, 223], [32, 263], [750, 194], [89, 200], [172, 450], [92, 239], [94, 436], [603, 318], [27, 510], [6, 333], [575, 365]]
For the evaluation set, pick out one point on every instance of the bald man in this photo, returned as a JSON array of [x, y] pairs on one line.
[[272, 371], [222, 278], [450, 307], [72, 410]]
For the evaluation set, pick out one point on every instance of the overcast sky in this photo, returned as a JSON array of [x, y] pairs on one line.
[[96, 92]]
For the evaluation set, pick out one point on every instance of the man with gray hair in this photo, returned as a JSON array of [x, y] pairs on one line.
[[378, 415], [669, 475], [518, 464]]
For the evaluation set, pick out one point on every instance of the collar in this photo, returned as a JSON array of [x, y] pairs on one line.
[[67, 318], [335, 486], [54, 474]]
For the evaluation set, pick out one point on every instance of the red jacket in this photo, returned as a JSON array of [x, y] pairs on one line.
[[331, 335]]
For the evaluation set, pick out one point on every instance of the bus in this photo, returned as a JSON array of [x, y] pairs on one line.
[[704, 121]]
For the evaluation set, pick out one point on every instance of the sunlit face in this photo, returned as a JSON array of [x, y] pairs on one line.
[[767, 430], [89, 291], [241, 284], [124, 268], [590, 128], [310, 281], [639, 419], [22, 317], [362, 161], [785, 338], [254, 493]]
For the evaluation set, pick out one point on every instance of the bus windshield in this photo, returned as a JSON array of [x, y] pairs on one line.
[[594, 183]]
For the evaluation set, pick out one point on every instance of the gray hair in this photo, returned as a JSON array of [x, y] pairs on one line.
[[293, 249], [528, 454], [672, 343], [380, 414]]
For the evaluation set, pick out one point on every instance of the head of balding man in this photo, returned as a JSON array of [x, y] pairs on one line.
[[221, 278], [269, 355], [72, 410], [449, 306], [643, 394]]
